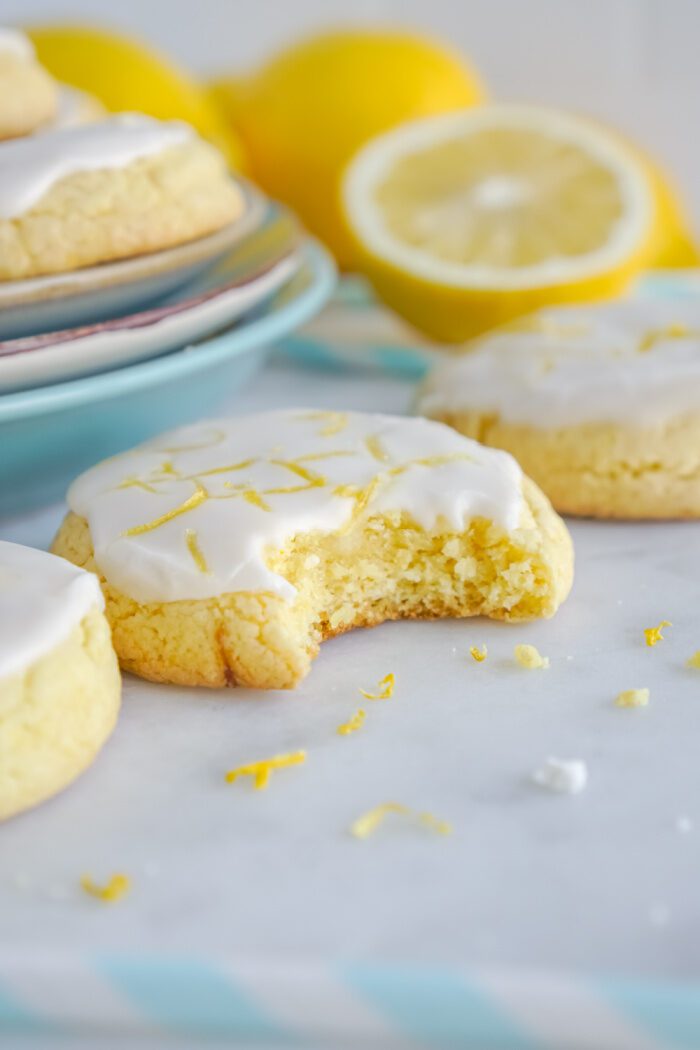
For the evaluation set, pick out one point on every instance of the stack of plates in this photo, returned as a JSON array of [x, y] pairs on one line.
[[96, 360]]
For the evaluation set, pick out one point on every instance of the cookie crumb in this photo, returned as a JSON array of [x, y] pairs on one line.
[[261, 771], [632, 698], [354, 723], [368, 823], [653, 635], [529, 657], [385, 689], [116, 888], [479, 654], [566, 776]]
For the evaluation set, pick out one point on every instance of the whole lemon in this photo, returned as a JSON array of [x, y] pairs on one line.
[[308, 109], [126, 74]]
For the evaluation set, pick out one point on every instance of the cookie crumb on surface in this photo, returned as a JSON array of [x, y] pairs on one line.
[[368, 823], [653, 635], [385, 689], [261, 771], [632, 698], [354, 723], [479, 654], [528, 656], [566, 776], [116, 888]]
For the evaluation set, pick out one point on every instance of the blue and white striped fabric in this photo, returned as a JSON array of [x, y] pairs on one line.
[[355, 332], [352, 1005]]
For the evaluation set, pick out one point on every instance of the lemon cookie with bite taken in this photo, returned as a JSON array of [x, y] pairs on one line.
[[60, 687], [229, 550], [28, 95], [598, 404], [120, 187]]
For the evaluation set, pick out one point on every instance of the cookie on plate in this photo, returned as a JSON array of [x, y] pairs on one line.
[[230, 549], [120, 187], [60, 686], [28, 95], [599, 404]]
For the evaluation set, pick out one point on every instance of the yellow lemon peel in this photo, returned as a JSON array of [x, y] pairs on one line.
[[694, 660], [192, 541], [261, 771], [530, 658], [368, 823], [633, 698], [354, 723], [654, 635], [659, 335], [385, 689], [116, 888], [195, 500], [479, 654]]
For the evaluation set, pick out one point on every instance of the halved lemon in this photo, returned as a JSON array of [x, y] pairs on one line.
[[464, 221]]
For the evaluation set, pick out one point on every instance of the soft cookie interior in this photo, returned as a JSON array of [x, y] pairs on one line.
[[382, 568]]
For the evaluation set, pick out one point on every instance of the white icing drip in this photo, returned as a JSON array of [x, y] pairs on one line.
[[30, 166], [14, 42], [586, 365], [232, 534], [42, 598]]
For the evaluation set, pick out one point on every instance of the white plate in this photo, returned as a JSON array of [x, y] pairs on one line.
[[96, 293], [245, 278]]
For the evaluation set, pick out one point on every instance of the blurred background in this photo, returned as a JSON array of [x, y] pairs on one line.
[[631, 62]]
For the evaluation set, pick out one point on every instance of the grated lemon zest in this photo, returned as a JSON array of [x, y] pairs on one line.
[[136, 483], [254, 497], [335, 422], [228, 469], [195, 500], [313, 480], [195, 550], [657, 335], [314, 457], [654, 635], [633, 698], [355, 723], [479, 654], [529, 657], [385, 687], [260, 771], [368, 823], [694, 660], [376, 448], [117, 887]]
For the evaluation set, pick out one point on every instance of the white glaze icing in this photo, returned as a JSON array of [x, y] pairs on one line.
[[32, 165], [42, 598], [634, 362], [14, 42], [232, 531]]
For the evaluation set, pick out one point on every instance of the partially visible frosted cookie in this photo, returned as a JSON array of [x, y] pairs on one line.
[[116, 188], [59, 680], [229, 550], [28, 95], [600, 405]]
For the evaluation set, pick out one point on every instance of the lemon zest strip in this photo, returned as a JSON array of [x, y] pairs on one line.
[[195, 500], [336, 421], [654, 635], [633, 698], [479, 654], [192, 541], [385, 689], [376, 448], [261, 771], [117, 887], [368, 823], [694, 660], [354, 723]]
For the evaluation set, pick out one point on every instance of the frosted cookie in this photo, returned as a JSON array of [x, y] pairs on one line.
[[229, 550], [59, 679], [600, 405], [28, 95], [113, 189], [77, 107]]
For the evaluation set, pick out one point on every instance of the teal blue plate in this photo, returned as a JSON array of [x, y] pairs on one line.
[[48, 435]]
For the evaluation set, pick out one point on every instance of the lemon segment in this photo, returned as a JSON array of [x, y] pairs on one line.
[[466, 220]]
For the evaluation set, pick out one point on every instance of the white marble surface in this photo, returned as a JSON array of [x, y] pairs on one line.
[[601, 882]]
